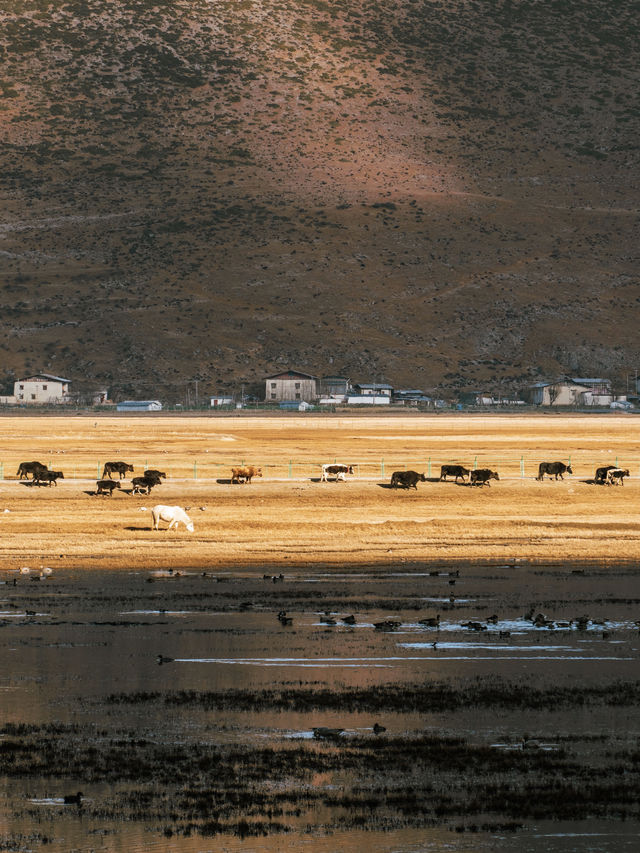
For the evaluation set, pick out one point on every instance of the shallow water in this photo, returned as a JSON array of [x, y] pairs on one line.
[[73, 642]]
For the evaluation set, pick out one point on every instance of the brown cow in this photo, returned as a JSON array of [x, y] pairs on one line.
[[245, 474]]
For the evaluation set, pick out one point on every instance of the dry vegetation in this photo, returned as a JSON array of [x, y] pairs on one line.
[[212, 190], [289, 516]]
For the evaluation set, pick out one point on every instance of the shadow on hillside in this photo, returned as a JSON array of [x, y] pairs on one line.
[[134, 527]]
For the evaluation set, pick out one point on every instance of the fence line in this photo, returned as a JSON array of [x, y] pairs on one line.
[[520, 466]]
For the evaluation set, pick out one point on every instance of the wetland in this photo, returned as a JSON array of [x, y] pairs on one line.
[[388, 694]]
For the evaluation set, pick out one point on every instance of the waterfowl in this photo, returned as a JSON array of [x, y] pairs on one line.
[[430, 621], [386, 625], [73, 799], [320, 732], [492, 620], [284, 619], [163, 659], [378, 729], [349, 620]]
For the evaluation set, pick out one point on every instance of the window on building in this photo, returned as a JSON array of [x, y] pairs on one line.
[[297, 396], [22, 387], [297, 384], [44, 387], [273, 396], [33, 396], [273, 384]]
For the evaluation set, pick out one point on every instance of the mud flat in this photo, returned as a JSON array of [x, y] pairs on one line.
[[364, 708], [289, 515]]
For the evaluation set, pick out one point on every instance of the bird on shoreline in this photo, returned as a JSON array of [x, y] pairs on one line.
[[73, 799]]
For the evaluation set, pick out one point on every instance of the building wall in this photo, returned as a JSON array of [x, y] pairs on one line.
[[290, 388], [40, 390], [562, 394]]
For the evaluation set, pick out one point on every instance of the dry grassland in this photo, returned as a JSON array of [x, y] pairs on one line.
[[289, 518]]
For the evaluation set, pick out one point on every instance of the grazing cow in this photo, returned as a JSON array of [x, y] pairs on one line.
[[551, 468], [481, 477], [172, 515], [119, 468], [407, 479], [106, 487], [338, 472], [47, 477], [453, 471], [246, 474], [153, 474], [603, 473], [143, 485], [617, 475], [26, 468]]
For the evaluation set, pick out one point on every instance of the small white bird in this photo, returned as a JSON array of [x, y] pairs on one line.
[[202, 508], [25, 570], [142, 509], [6, 510], [45, 571]]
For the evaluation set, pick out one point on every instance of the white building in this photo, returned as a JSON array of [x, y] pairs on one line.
[[139, 406], [368, 399], [221, 400], [373, 389], [42, 388]]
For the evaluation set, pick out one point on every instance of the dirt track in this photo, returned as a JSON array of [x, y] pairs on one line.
[[289, 516]]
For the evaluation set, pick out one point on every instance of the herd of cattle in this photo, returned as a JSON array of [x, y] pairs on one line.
[[607, 475]]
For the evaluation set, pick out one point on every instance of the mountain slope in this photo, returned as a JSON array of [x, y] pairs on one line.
[[437, 193]]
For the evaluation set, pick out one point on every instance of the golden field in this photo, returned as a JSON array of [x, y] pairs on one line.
[[290, 518]]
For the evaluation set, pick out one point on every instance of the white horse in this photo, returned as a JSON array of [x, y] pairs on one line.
[[172, 515]]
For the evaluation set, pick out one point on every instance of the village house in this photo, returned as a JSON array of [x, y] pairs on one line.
[[571, 392], [290, 385], [42, 389], [411, 397], [370, 394]]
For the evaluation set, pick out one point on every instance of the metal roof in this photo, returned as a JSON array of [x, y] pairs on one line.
[[43, 376], [291, 374]]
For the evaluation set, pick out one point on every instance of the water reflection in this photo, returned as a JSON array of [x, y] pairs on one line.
[[75, 641]]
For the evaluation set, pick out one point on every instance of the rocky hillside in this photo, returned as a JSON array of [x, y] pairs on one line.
[[440, 193]]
